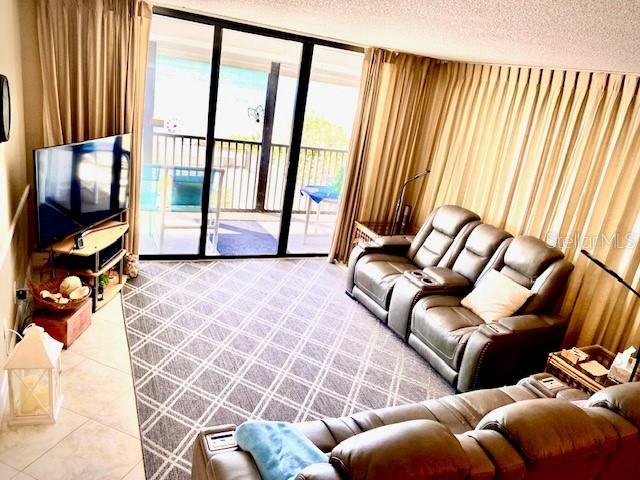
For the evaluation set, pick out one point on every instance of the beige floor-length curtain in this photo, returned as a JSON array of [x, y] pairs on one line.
[[387, 142], [93, 56], [551, 153]]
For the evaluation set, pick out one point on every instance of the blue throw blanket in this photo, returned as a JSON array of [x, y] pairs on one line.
[[279, 450]]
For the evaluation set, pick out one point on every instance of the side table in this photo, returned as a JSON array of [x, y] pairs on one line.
[[370, 231], [574, 375]]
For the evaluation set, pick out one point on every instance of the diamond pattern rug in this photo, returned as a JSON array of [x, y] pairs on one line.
[[223, 341]]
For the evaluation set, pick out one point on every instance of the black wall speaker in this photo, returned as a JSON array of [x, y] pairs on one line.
[[5, 109]]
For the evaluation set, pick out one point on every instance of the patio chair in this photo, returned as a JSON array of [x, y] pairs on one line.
[[327, 192], [186, 189], [186, 196]]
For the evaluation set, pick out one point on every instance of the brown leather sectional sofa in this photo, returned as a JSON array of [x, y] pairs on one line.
[[513, 432], [416, 286]]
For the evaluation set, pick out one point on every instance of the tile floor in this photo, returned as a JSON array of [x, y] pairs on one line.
[[96, 435]]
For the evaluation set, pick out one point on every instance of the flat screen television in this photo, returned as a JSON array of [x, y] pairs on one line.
[[80, 185]]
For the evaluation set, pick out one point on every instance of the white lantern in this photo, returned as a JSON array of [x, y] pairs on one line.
[[35, 394]]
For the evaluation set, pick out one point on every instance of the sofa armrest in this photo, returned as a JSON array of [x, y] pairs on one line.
[[536, 384], [514, 347], [395, 245], [530, 323], [229, 465], [446, 278]]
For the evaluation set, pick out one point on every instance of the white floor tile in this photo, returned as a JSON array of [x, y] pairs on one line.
[[105, 342], [93, 451], [7, 472], [19, 446], [96, 436], [103, 394], [70, 359], [137, 473]]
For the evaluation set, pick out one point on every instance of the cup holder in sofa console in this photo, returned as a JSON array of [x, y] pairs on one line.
[[420, 278]]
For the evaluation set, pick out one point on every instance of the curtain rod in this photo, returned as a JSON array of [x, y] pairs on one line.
[[511, 65]]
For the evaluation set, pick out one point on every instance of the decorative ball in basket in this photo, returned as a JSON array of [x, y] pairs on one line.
[[60, 294]]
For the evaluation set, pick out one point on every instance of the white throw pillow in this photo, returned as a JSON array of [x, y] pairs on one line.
[[496, 296]]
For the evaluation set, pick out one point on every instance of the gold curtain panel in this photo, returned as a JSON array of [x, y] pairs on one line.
[[551, 153], [387, 140], [93, 58]]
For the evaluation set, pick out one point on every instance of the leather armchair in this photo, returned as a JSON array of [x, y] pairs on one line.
[[471, 354], [374, 268]]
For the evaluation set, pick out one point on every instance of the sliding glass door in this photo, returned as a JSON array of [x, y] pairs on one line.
[[330, 109], [229, 153], [257, 87], [174, 136]]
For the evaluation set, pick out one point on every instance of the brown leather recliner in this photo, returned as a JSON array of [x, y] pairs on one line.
[[483, 251], [471, 354], [503, 433], [375, 267]]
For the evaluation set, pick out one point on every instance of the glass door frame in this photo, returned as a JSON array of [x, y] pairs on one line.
[[304, 76]]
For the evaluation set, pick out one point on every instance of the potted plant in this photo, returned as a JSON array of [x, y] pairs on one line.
[[103, 281]]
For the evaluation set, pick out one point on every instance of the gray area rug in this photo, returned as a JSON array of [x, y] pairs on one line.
[[222, 341]]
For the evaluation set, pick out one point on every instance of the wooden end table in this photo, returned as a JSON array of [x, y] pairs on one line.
[[370, 231], [575, 376]]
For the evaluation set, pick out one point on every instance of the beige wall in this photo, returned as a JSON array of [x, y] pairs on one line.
[[19, 63]]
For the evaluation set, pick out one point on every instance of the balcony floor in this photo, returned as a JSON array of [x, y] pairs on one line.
[[240, 233]]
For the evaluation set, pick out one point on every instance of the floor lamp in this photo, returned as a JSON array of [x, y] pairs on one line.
[[396, 221], [620, 280]]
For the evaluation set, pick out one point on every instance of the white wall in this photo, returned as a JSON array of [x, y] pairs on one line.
[[20, 64]]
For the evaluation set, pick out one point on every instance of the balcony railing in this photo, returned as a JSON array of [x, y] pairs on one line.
[[241, 161]]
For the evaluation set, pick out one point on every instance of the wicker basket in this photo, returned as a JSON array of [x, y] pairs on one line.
[[53, 286]]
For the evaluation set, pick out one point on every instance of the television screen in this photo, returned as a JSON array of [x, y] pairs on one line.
[[80, 185]]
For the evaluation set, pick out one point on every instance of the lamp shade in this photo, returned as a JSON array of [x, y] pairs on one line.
[[36, 350]]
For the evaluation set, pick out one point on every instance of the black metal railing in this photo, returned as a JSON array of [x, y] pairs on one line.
[[240, 160]]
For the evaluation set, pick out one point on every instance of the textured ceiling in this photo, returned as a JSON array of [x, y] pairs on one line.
[[577, 34]]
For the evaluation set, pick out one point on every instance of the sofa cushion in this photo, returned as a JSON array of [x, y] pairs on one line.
[[526, 258], [445, 330], [624, 399], [449, 219], [570, 441], [496, 296], [442, 236], [377, 273], [416, 449], [485, 245]]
